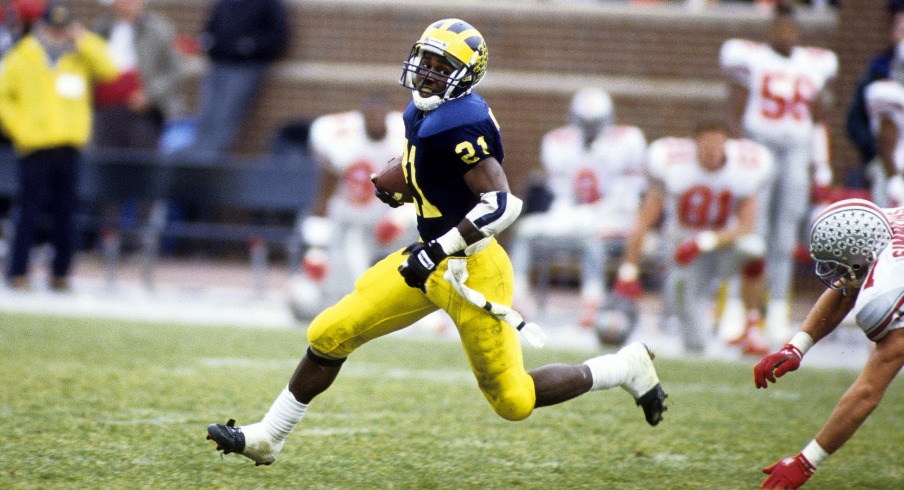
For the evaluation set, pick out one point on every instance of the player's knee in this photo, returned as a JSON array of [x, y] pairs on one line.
[[513, 400], [323, 339], [754, 269], [513, 406]]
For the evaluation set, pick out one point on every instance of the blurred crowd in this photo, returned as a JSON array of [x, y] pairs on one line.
[[713, 220]]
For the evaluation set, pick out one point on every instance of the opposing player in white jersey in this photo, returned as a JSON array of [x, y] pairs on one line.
[[859, 253], [776, 94], [350, 227], [885, 105], [708, 188], [594, 171]]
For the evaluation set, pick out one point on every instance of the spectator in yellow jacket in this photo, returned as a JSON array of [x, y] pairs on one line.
[[45, 109]]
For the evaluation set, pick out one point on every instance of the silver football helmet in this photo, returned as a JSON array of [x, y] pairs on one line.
[[617, 320], [845, 240], [592, 112]]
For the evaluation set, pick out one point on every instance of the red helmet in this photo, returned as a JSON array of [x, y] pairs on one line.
[[29, 11]]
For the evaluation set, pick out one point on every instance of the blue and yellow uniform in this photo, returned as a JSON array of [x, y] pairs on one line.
[[441, 146]]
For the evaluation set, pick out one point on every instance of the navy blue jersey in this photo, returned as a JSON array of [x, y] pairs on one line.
[[440, 147]]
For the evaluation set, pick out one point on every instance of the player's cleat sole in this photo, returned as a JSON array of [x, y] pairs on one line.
[[653, 404]]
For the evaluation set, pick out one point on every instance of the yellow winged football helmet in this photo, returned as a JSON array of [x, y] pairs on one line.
[[462, 47]]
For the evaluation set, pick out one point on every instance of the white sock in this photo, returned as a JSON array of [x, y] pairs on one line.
[[608, 371], [283, 416]]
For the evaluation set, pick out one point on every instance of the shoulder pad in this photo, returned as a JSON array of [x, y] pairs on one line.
[[455, 113], [879, 311]]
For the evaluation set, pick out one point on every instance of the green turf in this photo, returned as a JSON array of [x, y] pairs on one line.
[[109, 404]]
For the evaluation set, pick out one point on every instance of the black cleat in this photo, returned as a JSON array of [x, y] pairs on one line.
[[653, 404], [251, 441], [228, 438]]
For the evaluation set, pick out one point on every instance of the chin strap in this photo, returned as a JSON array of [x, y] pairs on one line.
[[457, 275]]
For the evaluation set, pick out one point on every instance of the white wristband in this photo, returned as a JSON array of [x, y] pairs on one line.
[[814, 453], [707, 240], [801, 341], [628, 272], [452, 241]]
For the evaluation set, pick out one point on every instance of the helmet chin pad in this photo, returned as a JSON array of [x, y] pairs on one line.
[[426, 103]]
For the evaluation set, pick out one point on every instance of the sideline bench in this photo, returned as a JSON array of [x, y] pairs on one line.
[[263, 186]]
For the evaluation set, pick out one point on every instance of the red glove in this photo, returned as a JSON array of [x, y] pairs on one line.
[[314, 264], [788, 473], [632, 290], [387, 231], [776, 365], [821, 194], [687, 252]]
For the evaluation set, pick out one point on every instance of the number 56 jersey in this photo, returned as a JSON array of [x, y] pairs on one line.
[[698, 199], [782, 89]]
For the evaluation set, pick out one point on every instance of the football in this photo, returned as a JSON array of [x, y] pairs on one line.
[[392, 181]]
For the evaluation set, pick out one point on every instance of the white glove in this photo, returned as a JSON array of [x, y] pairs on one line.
[[317, 231], [894, 189]]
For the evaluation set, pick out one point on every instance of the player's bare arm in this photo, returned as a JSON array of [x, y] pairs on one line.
[[647, 216], [828, 312], [865, 394], [737, 102], [886, 142], [326, 187]]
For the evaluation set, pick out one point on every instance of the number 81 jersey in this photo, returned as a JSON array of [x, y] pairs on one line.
[[441, 146], [782, 89], [697, 199]]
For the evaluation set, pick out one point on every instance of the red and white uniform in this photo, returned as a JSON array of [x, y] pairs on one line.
[[779, 114], [697, 200], [596, 191], [344, 149], [342, 145], [782, 89], [880, 304], [607, 175]]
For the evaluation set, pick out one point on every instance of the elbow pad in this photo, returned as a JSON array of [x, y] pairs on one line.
[[495, 212]]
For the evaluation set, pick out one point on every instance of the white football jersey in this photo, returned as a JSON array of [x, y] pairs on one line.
[[610, 170], [697, 199], [880, 304], [781, 89], [350, 155], [885, 98]]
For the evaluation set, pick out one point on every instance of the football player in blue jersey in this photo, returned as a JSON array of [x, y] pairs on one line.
[[452, 163]]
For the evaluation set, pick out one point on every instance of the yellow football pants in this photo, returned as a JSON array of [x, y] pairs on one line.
[[382, 303]]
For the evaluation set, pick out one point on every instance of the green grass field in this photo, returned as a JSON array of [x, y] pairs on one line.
[[105, 404]]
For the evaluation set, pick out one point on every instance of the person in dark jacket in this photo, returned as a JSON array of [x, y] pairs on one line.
[[241, 38], [857, 121]]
